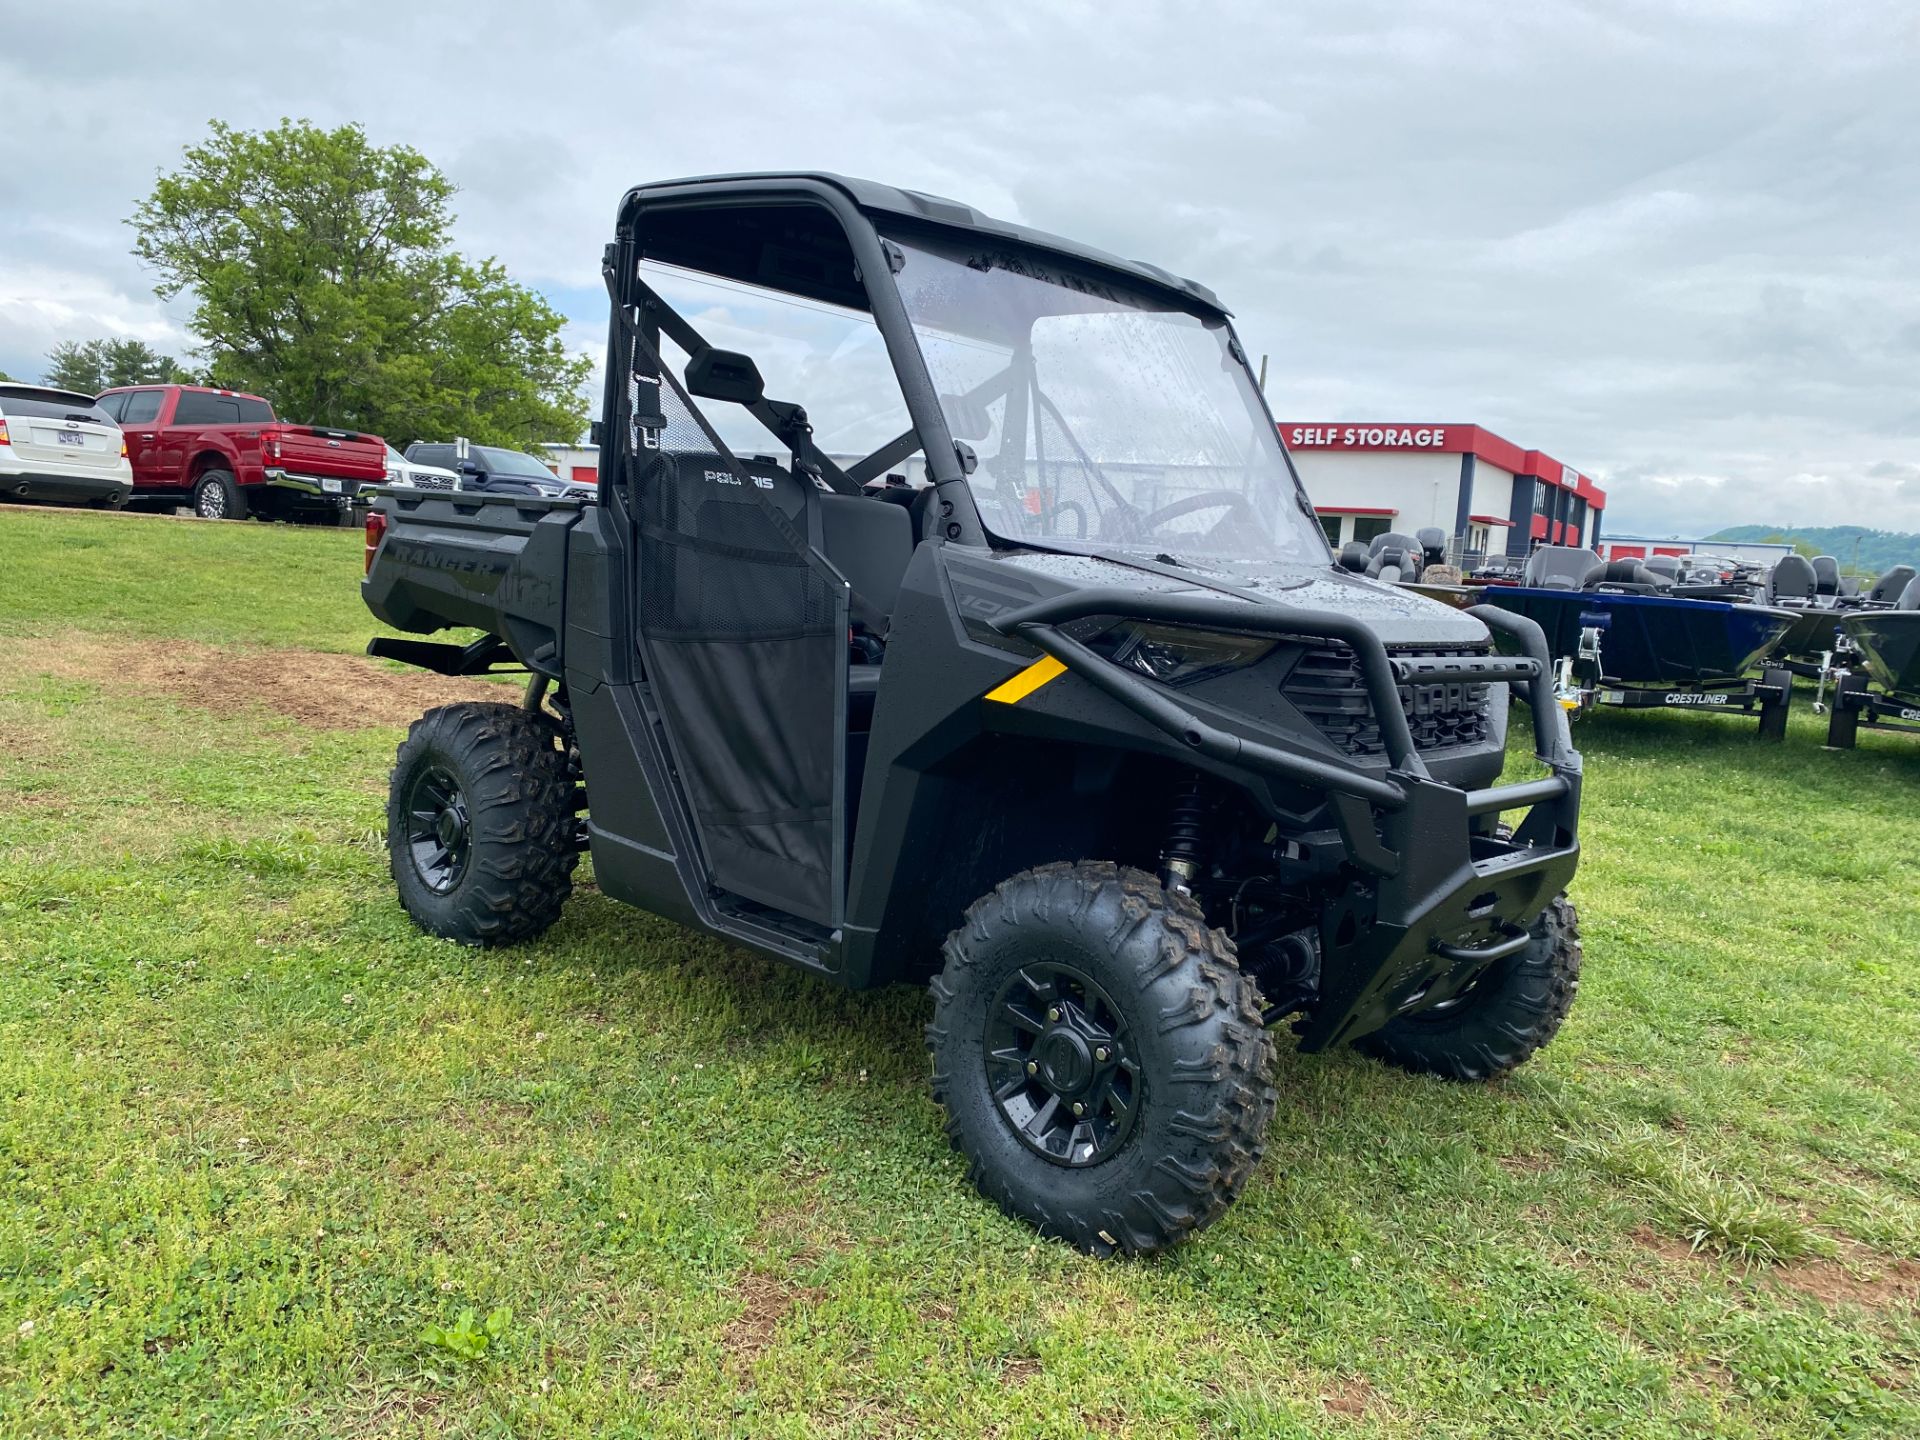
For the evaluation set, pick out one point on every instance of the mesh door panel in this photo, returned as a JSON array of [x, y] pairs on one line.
[[745, 638]]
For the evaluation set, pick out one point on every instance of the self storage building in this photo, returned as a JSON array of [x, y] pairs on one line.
[[1488, 494]]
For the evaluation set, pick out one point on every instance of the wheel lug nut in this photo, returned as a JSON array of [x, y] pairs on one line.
[[1102, 1053], [1078, 1108], [1054, 1014], [1033, 1067]]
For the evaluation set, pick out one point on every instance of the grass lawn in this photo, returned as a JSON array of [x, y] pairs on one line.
[[262, 1144]]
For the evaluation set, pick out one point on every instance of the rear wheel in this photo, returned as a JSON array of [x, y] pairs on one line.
[[1100, 1057], [480, 823], [217, 497], [1497, 1023]]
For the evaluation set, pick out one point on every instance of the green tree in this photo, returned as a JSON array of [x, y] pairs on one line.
[[323, 277], [91, 366]]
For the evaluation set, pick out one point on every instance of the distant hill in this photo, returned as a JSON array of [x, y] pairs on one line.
[[1854, 546]]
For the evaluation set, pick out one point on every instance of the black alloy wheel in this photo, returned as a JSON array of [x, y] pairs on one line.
[[1058, 1061], [439, 829]]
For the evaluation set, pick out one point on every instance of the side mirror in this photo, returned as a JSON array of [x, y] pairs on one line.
[[725, 375]]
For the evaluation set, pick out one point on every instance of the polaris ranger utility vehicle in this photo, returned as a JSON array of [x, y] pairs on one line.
[[964, 619]]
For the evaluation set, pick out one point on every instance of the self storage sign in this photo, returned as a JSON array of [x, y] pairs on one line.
[[1367, 437]]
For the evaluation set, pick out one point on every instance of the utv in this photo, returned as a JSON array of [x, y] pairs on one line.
[[1002, 648]]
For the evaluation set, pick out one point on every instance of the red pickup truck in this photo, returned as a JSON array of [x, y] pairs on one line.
[[228, 454]]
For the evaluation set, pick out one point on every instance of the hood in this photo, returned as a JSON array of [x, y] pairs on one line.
[[1398, 615]]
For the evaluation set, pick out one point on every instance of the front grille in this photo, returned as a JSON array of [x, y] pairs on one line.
[[1326, 686], [432, 482]]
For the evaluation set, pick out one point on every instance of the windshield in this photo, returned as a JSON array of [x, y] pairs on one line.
[[1100, 418], [512, 462]]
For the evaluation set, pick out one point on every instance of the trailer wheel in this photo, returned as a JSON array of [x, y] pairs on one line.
[[1512, 1010], [480, 823], [1100, 1057], [217, 497]]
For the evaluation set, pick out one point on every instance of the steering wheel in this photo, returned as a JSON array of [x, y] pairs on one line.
[[1187, 505]]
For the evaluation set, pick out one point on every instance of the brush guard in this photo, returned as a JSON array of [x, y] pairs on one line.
[[1438, 898]]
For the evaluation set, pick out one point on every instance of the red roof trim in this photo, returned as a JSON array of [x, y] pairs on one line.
[[1353, 510], [1490, 520]]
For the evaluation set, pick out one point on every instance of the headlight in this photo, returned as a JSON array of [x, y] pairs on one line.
[[394, 477], [1175, 655]]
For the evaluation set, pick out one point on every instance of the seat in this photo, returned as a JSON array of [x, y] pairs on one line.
[[1790, 580], [863, 688], [1433, 546], [1395, 539], [1627, 571], [1826, 575], [1665, 569], [1888, 589], [1562, 567], [869, 542], [1910, 597], [1393, 564], [1354, 557]]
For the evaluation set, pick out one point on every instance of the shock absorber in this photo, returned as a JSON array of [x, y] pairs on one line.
[[1186, 829]]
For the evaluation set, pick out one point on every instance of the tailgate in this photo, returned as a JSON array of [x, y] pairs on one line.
[[315, 450], [65, 442], [494, 562]]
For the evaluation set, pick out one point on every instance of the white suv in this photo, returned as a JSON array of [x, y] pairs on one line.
[[58, 445], [410, 474]]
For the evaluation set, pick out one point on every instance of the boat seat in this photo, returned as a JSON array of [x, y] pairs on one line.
[[1433, 546], [869, 542], [1354, 556], [1791, 578], [1910, 597], [1392, 538], [1393, 565], [1562, 567], [1626, 571], [1888, 589], [1826, 575], [1665, 569]]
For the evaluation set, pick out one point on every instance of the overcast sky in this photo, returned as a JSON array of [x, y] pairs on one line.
[[1680, 254]]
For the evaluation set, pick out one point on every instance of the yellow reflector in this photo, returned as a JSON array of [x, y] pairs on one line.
[[1027, 681]]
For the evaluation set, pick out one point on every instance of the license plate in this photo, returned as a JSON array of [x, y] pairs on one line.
[[70, 437], [330, 485]]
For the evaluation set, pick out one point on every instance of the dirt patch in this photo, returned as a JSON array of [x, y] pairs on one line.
[[1350, 1395], [1887, 1284], [1019, 1369], [322, 691], [766, 1302], [1669, 1248]]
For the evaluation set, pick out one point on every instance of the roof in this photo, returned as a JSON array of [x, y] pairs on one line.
[[939, 211]]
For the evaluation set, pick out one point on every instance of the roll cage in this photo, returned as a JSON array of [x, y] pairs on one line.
[[814, 236]]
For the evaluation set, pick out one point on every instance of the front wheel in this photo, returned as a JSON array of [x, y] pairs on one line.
[[1495, 1024], [480, 823], [1100, 1058]]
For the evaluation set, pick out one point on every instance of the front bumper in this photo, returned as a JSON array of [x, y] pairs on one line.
[[1438, 894], [49, 485]]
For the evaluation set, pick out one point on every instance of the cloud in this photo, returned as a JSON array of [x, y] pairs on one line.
[[1673, 246]]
